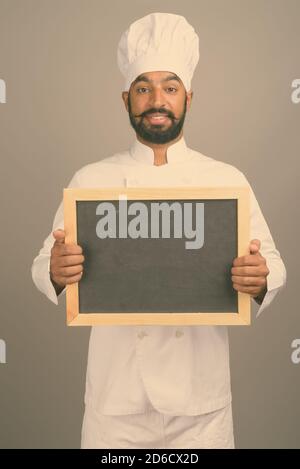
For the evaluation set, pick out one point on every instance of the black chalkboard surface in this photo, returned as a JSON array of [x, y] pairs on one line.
[[157, 255]]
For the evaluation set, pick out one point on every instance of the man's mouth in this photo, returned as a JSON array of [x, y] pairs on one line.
[[157, 118]]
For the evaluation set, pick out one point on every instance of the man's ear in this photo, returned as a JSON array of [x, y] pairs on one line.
[[125, 95], [189, 97]]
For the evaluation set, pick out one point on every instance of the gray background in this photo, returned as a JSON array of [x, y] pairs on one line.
[[63, 110]]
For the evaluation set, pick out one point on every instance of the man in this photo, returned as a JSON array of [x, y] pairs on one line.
[[159, 386]]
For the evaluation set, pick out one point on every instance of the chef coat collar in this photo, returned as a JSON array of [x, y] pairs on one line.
[[176, 153]]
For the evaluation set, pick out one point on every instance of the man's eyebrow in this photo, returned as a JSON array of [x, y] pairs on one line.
[[147, 80]]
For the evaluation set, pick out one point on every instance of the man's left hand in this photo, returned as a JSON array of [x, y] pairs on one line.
[[249, 273]]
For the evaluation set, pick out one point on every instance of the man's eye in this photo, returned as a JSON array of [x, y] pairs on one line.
[[142, 90], [172, 89]]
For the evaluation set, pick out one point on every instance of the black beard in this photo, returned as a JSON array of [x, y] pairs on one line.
[[155, 134]]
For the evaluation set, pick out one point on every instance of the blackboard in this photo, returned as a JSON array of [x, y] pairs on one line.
[[144, 275]]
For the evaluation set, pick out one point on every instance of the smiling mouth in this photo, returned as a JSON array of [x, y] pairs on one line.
[[157, 118]]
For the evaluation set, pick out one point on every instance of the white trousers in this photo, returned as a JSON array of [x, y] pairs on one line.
[[153, 430]]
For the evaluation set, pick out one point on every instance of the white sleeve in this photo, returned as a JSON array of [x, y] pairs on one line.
[[260, 230], [40, 269]]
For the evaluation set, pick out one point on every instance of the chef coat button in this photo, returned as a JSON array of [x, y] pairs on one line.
[[179, 333], [142, 334]]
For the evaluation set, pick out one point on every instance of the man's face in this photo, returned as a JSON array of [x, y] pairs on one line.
[[157, 104]]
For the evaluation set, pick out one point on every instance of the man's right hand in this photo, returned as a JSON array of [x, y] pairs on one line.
[[65, 262]]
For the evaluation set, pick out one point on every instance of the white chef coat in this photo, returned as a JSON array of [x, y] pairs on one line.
[[178, 370]]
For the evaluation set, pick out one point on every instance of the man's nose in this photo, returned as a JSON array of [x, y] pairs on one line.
[[157, 99]]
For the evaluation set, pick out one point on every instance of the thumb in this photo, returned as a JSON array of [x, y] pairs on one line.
[[254, 246], [59, 236]]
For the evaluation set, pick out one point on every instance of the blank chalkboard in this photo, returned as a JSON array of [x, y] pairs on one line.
[[149, 279]]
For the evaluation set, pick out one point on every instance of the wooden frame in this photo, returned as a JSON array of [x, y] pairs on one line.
[[241, 194]]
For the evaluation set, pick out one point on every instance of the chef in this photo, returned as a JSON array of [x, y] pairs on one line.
[[159, 386]]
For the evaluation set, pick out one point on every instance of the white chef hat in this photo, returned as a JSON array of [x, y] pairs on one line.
[[159, 42]]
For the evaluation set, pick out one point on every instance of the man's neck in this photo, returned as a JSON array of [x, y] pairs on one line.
[[159, 150]]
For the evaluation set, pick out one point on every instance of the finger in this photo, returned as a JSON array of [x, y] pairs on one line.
[[59, 236], [248, 260], [254, 246], [74, 279], [65, 261], [251, 271], [67, 249], [70, 271], [254, 291], [248, 281]]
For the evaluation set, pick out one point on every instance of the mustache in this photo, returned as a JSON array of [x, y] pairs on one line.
[[164, 112]]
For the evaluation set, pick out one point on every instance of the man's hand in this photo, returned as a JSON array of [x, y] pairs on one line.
[[249, 273], [65, 262]]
